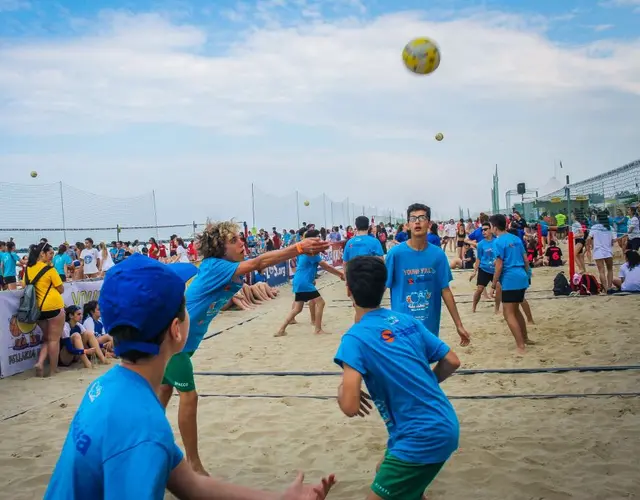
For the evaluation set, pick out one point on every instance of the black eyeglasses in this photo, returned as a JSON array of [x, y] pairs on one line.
[[486, 228], [417, 218]]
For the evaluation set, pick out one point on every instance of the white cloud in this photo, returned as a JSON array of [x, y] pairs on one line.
[[622, 3], [602, 27], [14, 5], [504, 93]]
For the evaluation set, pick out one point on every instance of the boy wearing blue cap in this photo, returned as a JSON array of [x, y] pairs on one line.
[[219, 279], [120, 444], [392, 353]]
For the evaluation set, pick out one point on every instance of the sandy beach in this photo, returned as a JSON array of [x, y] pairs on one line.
[[510, 449]]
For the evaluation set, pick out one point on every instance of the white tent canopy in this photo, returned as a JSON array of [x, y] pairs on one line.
[[551, 186]]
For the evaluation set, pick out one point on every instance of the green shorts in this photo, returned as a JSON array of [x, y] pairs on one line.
[[399, 480], [179, 372]]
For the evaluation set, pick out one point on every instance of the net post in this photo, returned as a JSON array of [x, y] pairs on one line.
[[195, 227], [324, 208], [253, 207], [64, 224], [540, 245], [155, 213], [572, 257], [297, 209]]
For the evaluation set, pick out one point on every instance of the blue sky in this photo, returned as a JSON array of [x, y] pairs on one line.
[[197, 99]]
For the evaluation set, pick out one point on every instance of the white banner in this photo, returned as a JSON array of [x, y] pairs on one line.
[[18, 350]]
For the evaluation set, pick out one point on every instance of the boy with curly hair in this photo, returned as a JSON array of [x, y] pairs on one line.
[[219, 278]]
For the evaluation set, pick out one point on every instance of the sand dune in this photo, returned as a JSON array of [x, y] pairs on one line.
[[510, 449]]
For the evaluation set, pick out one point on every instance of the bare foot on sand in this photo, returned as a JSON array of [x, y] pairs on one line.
[[39, 371], [322, 332], [280, 334]]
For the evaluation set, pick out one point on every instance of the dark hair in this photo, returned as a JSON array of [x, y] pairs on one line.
[[434, 228], [498, 221], [180, 241], [484, 218], [62, 249], [89, 308], [367, 279], [90, 240], [10, 246], [633, 258], [418, 207], [362, 223], [70, 311], [312, 233], [153, 240], [34, 253], [552, 243], [486, 223], [603, 218], [127, 333]]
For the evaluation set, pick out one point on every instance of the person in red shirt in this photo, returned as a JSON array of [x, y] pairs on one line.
[[154, 251], [192, 252], [162, 252]]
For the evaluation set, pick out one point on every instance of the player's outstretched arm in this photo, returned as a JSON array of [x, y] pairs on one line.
[[309, 246], [331, 269], [184, 483]]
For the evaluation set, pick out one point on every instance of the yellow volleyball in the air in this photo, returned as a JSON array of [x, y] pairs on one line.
[[439, 136], [34, 174], [421, 56], [306, 203]]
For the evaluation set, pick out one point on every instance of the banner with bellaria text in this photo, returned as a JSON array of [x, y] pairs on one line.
[[19, 349]]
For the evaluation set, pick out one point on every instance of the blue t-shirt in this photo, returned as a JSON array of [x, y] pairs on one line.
[[59, 261], [622, 225], [305, 275], [510, 249], [209, 291], [119, 445], [401, 236], [433, 239], [476, 235], [416, 280], [117, 254], [286, 239], [362, 245], [393, 352], [9, 262], [544, 228], [487, 255]]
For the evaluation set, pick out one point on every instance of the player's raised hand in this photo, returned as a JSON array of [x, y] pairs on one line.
[[313, 246], [300, 491]]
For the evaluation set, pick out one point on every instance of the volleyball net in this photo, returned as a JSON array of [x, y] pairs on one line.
[[291, 210], [60, 212], [63, 213]]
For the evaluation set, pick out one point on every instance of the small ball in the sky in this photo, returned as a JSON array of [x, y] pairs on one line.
[[34, 174]]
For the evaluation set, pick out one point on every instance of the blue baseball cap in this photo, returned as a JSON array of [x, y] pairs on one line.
[[145, 294]]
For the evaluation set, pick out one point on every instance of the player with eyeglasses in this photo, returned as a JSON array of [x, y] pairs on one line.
[[419, 276]]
